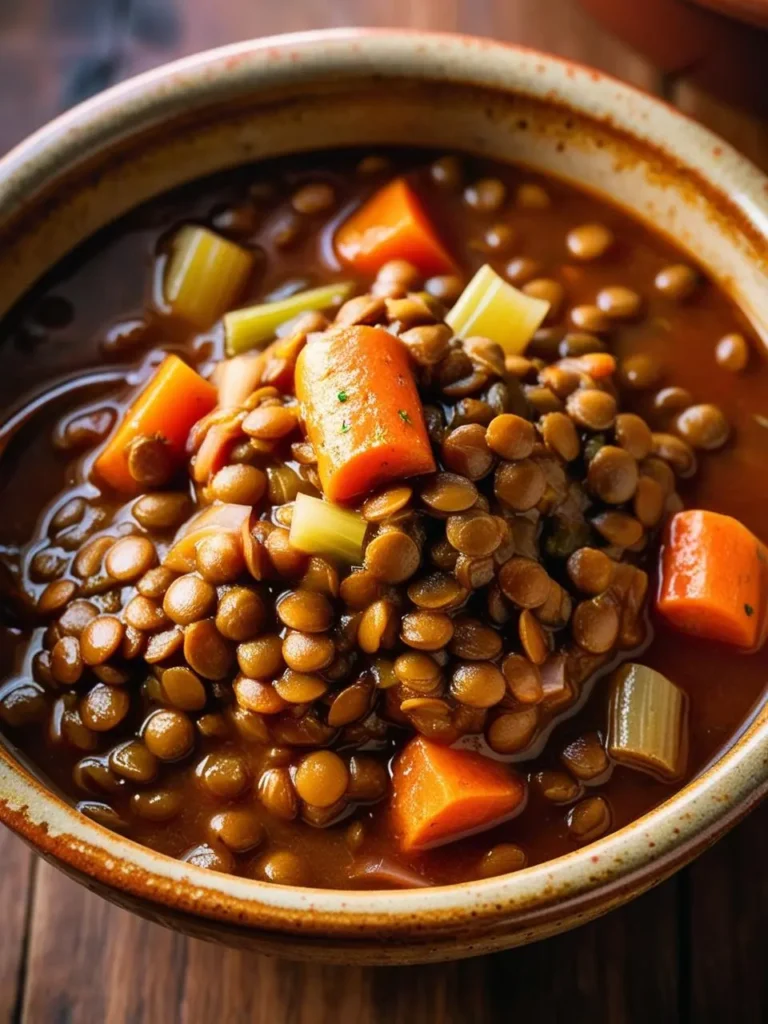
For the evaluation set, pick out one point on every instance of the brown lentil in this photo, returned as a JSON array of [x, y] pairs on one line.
[[732, 352], [163, 645], [426, 630], [560, 436], [596, 625], [104, 707], [558, 787], [241, 614], [618, 528], [613, 475], [524, 582], [478, 684], [704, 426], [677, 452], [677, 281], [66, 661], [589, 819], [633, 435], [189, 599], [640, 371], [589, 241], [592, 409], [305, 610], [169, 735], [100, 639], [150, 461], [512, 731], [523, 679], [474, 641], [206, 651], [239, 485], [466, 452], [238, 828], [533, 638], [392, 556], [183, 689]]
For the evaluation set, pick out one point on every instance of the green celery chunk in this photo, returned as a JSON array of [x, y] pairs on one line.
[[253, 326]]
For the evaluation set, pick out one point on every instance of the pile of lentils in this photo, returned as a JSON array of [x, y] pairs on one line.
[[489, 593]]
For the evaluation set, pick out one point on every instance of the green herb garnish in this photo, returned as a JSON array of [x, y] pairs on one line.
[[404, 416], [344, 427], [342, 396], [749, 609]]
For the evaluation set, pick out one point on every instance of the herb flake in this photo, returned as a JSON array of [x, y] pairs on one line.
[[344, 427], [749, 609], [404, 416], [342, 396]]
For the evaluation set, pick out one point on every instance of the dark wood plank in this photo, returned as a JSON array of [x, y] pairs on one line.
[[556, 25], [727, 891], [16, 882]]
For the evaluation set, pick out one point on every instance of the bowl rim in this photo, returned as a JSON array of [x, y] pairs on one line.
[[611, 869]]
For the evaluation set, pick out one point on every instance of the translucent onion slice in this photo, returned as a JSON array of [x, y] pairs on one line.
[[322, 528], [648, 722], [492, 308], [253, 326], [212, 520], [204, 276]]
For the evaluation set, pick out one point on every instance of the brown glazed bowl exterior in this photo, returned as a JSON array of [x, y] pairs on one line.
[[272, 96]]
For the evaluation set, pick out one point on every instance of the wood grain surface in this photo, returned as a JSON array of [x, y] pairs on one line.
[[688, 952]]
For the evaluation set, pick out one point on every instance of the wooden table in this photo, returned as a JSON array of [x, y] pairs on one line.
[[690, 951]]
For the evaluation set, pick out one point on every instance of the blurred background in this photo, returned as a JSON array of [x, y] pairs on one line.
[[688, 952]]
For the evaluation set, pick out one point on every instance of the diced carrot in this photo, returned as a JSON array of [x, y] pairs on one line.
[[441, 794], [215, 519], [392, 225], [175, 398], [362, 411], [714, 579]]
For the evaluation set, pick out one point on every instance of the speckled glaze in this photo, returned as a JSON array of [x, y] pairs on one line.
[[272, 96]]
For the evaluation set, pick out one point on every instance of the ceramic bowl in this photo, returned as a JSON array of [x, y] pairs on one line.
[[271, 96]]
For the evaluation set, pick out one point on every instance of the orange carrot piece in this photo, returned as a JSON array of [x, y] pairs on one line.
[[441, 794], [714, 579], [392, 225], [174, 399], [362, 411]]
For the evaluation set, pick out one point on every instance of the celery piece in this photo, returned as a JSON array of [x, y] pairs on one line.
[[253, 326], [648, 722], [204, 276], [491, 307], [322, 528]]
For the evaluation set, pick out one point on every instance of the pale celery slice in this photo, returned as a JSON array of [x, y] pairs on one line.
[[322, 528], [648, 722], [204, 276], [491, 307], [248, 328]]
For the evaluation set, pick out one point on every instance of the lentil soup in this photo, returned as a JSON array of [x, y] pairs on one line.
[[348, 538]]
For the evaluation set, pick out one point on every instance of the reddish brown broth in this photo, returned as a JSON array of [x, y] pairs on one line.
[[106, 281]]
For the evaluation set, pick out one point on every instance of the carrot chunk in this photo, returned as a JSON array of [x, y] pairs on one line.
[[714, 579], [392, 225], [441, 794], [362, 411], [175, 398]]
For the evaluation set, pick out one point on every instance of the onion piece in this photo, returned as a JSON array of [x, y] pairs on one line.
[[493, 308]]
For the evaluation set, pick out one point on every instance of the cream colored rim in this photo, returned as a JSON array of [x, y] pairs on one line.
[[643, 850]]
